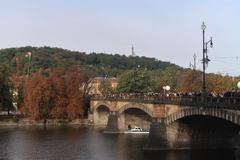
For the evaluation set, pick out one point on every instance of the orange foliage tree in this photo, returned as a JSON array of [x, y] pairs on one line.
[[191, 81], [58, 95], [38, 94], [219, 84], [76, 104]]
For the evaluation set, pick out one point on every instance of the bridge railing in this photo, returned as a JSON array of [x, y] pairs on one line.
[[198, 101]]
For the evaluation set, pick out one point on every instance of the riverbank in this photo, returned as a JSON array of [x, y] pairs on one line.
[[24, 122]]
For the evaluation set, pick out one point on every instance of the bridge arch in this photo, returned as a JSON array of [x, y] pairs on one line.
[[101, 112], [232, 117], [141, 107], [99, 104], [134, 115]]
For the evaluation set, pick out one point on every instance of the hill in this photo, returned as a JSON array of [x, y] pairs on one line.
[[99, 64]]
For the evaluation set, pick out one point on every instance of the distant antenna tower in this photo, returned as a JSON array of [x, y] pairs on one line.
[[133, 52]]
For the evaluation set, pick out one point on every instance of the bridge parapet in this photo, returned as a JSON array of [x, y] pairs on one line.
[[194, 101]]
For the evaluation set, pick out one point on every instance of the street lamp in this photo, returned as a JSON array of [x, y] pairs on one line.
[[205, 59], [166, 88], [238, 85]]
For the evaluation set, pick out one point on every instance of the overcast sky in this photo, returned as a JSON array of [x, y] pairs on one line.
[[168, 30]]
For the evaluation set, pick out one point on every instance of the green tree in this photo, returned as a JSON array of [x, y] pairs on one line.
[[135, 81], [170, 76], [5, 96]]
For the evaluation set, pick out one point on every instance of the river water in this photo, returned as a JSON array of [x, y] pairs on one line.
[[90, 144]]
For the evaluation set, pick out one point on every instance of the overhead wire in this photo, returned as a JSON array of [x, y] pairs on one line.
[[233, 60]]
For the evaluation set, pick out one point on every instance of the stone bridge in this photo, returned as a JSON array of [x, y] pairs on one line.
[[174, 122]]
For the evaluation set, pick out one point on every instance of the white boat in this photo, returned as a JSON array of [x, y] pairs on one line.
[[137, 130]]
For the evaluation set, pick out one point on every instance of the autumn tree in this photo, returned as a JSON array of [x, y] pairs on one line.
[[191, 81], [38, 96], [219, 84], [59, 100], [76, 102], [58, 95]]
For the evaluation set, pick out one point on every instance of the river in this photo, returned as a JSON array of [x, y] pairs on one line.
[[90, 144]]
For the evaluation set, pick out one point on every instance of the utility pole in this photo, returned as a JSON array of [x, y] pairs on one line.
[[133, 52], [194, 72], [194, 62], [193, 66], [134, 69]]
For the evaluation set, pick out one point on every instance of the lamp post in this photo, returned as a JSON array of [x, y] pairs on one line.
[[29, 56], [205, 59]]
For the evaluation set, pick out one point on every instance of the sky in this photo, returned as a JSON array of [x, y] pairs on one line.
[[168, 30]]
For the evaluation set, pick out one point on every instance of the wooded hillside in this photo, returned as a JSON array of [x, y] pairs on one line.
[[100, 64]]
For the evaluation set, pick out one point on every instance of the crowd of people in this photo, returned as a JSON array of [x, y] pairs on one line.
[[168, 94]]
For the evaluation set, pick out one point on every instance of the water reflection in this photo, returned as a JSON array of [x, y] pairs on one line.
[[192, 155], [90, 144]]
